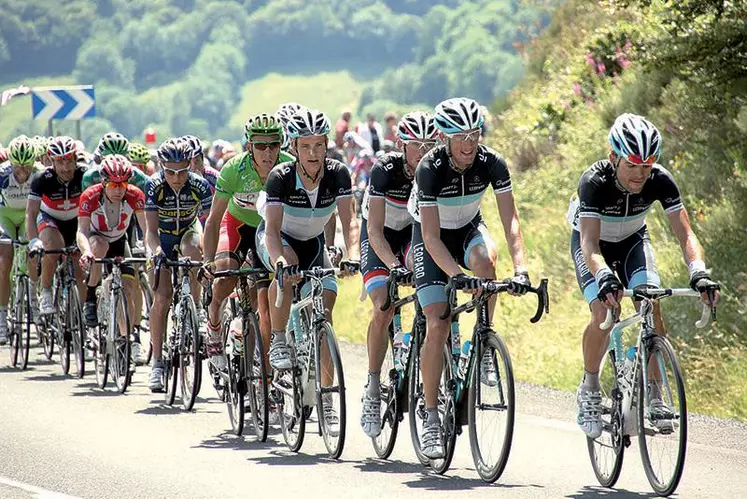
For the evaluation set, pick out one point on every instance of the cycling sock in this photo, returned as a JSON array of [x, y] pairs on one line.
[[91, 294], [157, 363], [278, 337], [591, 381], [372, 388], [433, 418]]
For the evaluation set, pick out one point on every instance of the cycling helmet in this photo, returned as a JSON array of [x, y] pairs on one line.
[[113, 143], [62, 147], [307, 123], [417, 125], [21, 151], [3, 155], [40, 144], [457, 115], [636, 139], [195, 144], [115, 168], [174, 151], [138, 153], [263, 124], [285, 111]]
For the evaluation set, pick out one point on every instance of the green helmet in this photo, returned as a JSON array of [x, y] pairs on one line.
[[22, 151], [113, 143], [263, 124], [40, 145], [138, 153]]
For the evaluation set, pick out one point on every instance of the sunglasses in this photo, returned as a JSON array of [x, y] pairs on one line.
[[423, 145], [636, 160], [472, 136], [263, 146], [172, 171], [117, 185], [63, 158]]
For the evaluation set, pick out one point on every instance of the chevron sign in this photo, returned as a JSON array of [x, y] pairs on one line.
[[63, 103]]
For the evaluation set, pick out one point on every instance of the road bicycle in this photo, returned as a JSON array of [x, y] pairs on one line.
[[19, 332]]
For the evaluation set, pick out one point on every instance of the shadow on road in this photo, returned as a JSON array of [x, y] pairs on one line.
[[597, 491], [430, 481], [49, 377], [288, 458], [227, 440], [386, 466], [158, 407]]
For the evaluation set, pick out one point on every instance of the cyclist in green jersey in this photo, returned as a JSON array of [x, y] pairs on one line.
[[240, 181], [14, 191]]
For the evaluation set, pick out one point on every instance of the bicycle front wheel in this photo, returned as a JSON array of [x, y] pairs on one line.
[[145, 320], [290, 407], [77, 331], [491, 407], [390, 412], [255, 377], [190, 360], [14, 338], [447, 411], [662, 417], [330, 398], [119, 365], [64, 327]]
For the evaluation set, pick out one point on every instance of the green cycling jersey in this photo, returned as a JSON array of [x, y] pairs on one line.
[[93, 176], [239, 182]]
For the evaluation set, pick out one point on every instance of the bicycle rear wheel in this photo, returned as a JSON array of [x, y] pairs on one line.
[[662, 417], [447, 411], [190, 360], [14, 337], [255, 377], [383, 444], [77, 331], [606, 452], [330, 399], [290, 407], [416, 400], [119, 365], [100, 357], [170, 369], [491, 407], [48, 335]]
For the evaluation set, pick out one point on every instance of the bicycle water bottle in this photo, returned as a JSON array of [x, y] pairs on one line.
[[404, 350], [235, 338], [629, 421], [456, 340], [296, 324], [397, 343], [464, 359]]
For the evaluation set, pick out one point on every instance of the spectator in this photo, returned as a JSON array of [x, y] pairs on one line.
[[341, 128], [390, 131], [371, 132]]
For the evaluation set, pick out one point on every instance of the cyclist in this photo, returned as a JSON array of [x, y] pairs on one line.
[[386, 232], [111, 143], [40, 144], [105, 212], [449, 232], [174, 198], [229, 236], [54, 197], [611, 247], [197, 166], [300, 198], [14, 191], [139, 156], [284, 112]]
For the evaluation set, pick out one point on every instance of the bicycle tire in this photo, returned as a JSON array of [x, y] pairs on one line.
[[119, 365], [493, 344], [334, 443], [170, 370], [449, 421], [47, 335], [391, 412], [189, 352], [14, 338], [78, 331], [666, 488], [416, 400], [101, 357], [611, 424], [290, 408], [63, 329], [255, 377], [145, 318]]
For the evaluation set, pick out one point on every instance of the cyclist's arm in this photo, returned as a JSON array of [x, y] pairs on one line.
[[140, 215], [512, 229], [273, 223], [32, 211], [84, 232], [691, 248], [212, 227], [330, 230], [591, 229], [430, 222], [375, 226], [349, 226], [152, 241]]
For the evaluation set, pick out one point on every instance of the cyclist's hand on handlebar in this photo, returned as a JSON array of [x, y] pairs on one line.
[[402, 274], [35, 245], [701, 282], [292, 272], [467, 283], [519, 284], [206, 271], [85, 261], [335, 255], [610, 288], [349, 267]]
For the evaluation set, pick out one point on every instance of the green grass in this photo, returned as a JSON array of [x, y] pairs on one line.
[[19, 109], [327, 91]]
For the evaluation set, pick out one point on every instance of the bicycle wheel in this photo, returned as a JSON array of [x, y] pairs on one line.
[[383, 444], [255, 377], [48, 334], [77, 331], [491, 407], [416, 399], [170, 367], [145, 320], [190, 360], [234, 392], [330, 399], [14, 338], [100, 357], [447, 411], [662, 417], [64, 329], [119, 364], [606, 452], [290, 408]]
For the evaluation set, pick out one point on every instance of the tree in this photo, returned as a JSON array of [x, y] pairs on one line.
[[99, 60]]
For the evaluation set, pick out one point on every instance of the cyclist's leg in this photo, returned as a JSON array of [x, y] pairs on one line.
[[99, 248], [161, 299], [480, 256], [7, 230], [640, 271], [191, 246], [52, 239]]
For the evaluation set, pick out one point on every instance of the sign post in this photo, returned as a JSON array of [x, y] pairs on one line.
[[63, 103]]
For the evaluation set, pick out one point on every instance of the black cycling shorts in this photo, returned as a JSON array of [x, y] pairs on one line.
[[374, 271]]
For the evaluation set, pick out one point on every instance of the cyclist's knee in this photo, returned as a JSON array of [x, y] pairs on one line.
[[482, 262], [51, 238], [598, 314], [436, 328]]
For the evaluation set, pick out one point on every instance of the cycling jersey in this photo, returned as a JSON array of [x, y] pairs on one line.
[[240, 183], [13, 196], [457, 195], [177, 213], [622, 214], [59, 200], [211, 175], [302, 219], [390, 182], [93, 205], [93, 177]]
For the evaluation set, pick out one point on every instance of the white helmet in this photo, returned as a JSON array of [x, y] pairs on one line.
[[457, 115], [417, 125], [286, 110], [635, 138], [307, 123]]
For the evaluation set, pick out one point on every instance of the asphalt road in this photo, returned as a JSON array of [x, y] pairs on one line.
[[63, 437]]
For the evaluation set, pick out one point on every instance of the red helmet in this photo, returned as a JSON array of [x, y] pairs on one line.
[[115, 168], [62, 147], [3, 155]]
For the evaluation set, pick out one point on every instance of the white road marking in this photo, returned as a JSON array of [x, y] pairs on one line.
[[40, 492]]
